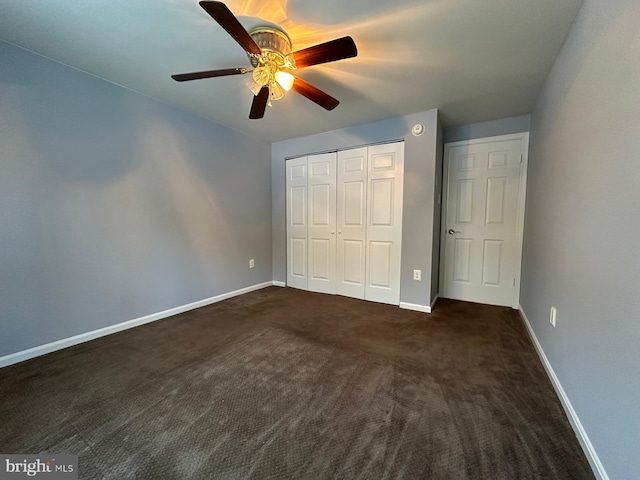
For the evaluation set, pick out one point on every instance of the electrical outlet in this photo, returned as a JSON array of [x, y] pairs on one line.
[[252, 263], [552, 316], [417, 275]]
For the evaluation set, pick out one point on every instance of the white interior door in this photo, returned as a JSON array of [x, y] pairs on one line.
[[321, 233], [384, 222], [296, 186], [484, 207], [351, 222]]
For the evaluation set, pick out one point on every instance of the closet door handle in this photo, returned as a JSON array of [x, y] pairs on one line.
[[332, 233], [339, 232]]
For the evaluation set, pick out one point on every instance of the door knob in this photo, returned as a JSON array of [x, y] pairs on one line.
[[332, 233], [452, 231], [339, 232]]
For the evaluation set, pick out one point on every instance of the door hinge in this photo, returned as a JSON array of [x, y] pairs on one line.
[[514, 281], [521, 158]]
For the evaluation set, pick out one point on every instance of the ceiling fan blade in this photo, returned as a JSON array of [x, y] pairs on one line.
[[184, 77], [314, 94], [259, 104], [331, 51], [227, 20]]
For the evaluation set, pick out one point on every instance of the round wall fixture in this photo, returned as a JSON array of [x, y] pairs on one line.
[[418, 129]]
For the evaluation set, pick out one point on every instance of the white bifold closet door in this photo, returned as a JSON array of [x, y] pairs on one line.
[[297, 222], [321, 233], [344, 222], [351, 222], [384, 222]]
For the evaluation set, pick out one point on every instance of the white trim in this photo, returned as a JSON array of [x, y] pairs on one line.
[[101, 332], [522, 194], [496, 138], [277, 283], [583, 438], [415, 307], [522, 197], [433, 302]]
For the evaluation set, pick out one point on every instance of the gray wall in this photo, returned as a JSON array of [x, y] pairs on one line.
[[419, 185], [114, 206], [503, 126], [582, 227]]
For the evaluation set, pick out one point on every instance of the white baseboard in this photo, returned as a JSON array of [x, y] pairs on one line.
[[101, 332], [276, 283], [583, 438], [419, 308], [416, 307]]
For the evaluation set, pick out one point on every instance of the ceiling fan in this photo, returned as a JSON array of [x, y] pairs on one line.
[[273, 62]]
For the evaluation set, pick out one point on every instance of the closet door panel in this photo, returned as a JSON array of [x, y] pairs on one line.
[[321, 239], [384, 222], [298, 258], [351, 222], [297, 214], [380, 264]]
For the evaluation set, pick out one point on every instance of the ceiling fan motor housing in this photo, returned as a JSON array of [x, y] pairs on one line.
[[270, 40]]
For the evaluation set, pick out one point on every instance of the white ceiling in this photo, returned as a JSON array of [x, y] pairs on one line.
[[475, 60]]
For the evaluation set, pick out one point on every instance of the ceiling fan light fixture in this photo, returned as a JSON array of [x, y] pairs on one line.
[[275, 91], [263, 74], [285, 79], [253, 86]]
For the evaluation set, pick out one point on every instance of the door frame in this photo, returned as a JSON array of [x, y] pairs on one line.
[[522, 195]]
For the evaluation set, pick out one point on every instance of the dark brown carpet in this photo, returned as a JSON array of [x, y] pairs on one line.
[[286, 384]]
